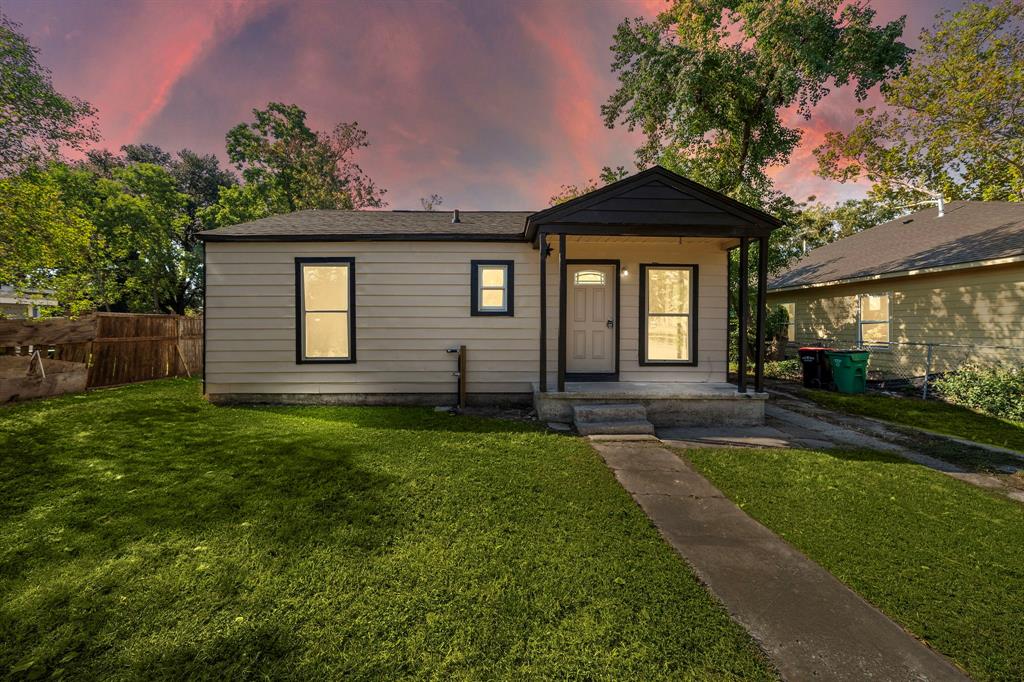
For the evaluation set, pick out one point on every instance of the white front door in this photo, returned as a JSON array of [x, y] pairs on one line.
[[590, 327]]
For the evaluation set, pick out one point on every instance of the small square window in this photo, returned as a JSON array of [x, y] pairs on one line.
[[491, 284]]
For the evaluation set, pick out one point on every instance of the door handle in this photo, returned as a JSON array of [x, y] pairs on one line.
[[610, 324]]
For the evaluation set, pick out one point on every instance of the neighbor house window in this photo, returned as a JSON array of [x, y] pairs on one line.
[[789, 329], [491, 284], [668, 316], [325, 309], [874, 319]]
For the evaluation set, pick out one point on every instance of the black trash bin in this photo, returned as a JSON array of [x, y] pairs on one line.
[[817, 371]]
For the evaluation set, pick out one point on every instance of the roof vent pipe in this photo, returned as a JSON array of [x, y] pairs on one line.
[[455, 216], [942, 206]]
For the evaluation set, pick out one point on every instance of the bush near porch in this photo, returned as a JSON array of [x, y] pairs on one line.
[[145, 533]]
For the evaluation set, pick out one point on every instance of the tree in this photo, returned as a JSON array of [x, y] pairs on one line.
[[953, 124], [44, 244], [707, 80], [135, 258], [431, 202], [607, 176], [200, 179], [294, 167], [36, 121]]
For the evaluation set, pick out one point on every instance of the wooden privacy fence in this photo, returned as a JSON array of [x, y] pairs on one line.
[[118, 348]]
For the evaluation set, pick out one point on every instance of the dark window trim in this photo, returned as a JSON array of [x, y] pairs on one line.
[[600, 376], [474, 289], [694, 315], [300, 325]]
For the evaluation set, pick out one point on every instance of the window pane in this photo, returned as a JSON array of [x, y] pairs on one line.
[[790, 328], [327, 335], [493, 299], [874, 308], [874, 332], [325, 287], [589, 277], [668, 338], [668, 290], [492, 275]]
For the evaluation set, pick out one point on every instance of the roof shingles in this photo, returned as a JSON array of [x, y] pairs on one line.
[[970, 231], [409, 225]]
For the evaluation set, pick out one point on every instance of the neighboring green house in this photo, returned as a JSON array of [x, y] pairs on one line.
[[955, 279]]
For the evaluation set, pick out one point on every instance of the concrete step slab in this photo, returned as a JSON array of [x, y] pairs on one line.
[[619, 412], [615, 427]]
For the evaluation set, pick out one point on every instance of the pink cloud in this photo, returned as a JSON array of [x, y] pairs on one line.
[[493, 105]]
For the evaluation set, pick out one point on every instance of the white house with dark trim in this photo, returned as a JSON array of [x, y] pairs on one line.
[[616, 297]]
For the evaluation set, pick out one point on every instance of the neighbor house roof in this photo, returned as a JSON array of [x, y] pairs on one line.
[[329, 225], [969, 232]]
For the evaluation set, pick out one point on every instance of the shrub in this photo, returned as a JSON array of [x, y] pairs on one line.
[[784, 369], [998, 391]]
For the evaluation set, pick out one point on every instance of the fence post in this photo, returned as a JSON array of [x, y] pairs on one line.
[[927, 373]]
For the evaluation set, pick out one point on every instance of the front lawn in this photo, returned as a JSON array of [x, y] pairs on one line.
[[933, 415], [145, 533], [940, 557]]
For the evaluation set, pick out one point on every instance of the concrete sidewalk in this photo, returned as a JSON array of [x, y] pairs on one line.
[[809, 623]]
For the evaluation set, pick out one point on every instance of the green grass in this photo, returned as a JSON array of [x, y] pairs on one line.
[[933, 415], [942, 558], [147, 534]]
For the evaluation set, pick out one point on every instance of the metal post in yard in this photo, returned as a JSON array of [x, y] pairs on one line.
[[927, 373]]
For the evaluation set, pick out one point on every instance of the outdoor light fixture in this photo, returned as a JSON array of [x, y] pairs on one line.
[[625, 272]]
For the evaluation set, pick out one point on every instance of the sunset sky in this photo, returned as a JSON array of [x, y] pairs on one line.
[[492, 105]]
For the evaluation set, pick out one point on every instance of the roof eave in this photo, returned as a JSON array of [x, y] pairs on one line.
[[363, 237]]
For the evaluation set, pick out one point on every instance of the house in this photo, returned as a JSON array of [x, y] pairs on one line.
[[24, 304], [954, 281], [616, 297]]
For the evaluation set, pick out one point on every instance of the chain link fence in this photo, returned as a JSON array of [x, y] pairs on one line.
[[913, 366]]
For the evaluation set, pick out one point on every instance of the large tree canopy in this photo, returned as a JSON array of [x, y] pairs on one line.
[[707, 81], [36, 121], [294, 167], [44, 243], [953, 124]]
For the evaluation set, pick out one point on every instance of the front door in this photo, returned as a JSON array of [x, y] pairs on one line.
[[590, 327]]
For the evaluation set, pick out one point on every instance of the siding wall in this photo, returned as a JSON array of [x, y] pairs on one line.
[[412, 302], [970, 307]]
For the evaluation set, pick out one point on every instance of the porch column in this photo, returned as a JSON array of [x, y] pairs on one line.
[[543, 383], [741, 380], [762, 284], [561, 312]]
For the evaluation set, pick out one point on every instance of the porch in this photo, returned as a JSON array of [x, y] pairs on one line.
[[664, 403], [634, 302]]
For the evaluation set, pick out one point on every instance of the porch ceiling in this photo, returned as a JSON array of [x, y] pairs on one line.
[[725, 242]]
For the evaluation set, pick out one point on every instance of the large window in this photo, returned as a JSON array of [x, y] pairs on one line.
[[874, 319], [789, 329], [491, 284], [668, 316], [325, 309]]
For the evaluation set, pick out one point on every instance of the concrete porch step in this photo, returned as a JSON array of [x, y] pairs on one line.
[[615, 428], [606, 412]]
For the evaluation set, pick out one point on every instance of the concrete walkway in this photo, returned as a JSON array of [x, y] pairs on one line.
[[810, 624]]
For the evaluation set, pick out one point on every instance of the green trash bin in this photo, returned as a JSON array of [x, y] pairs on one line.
[[849, 370]]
